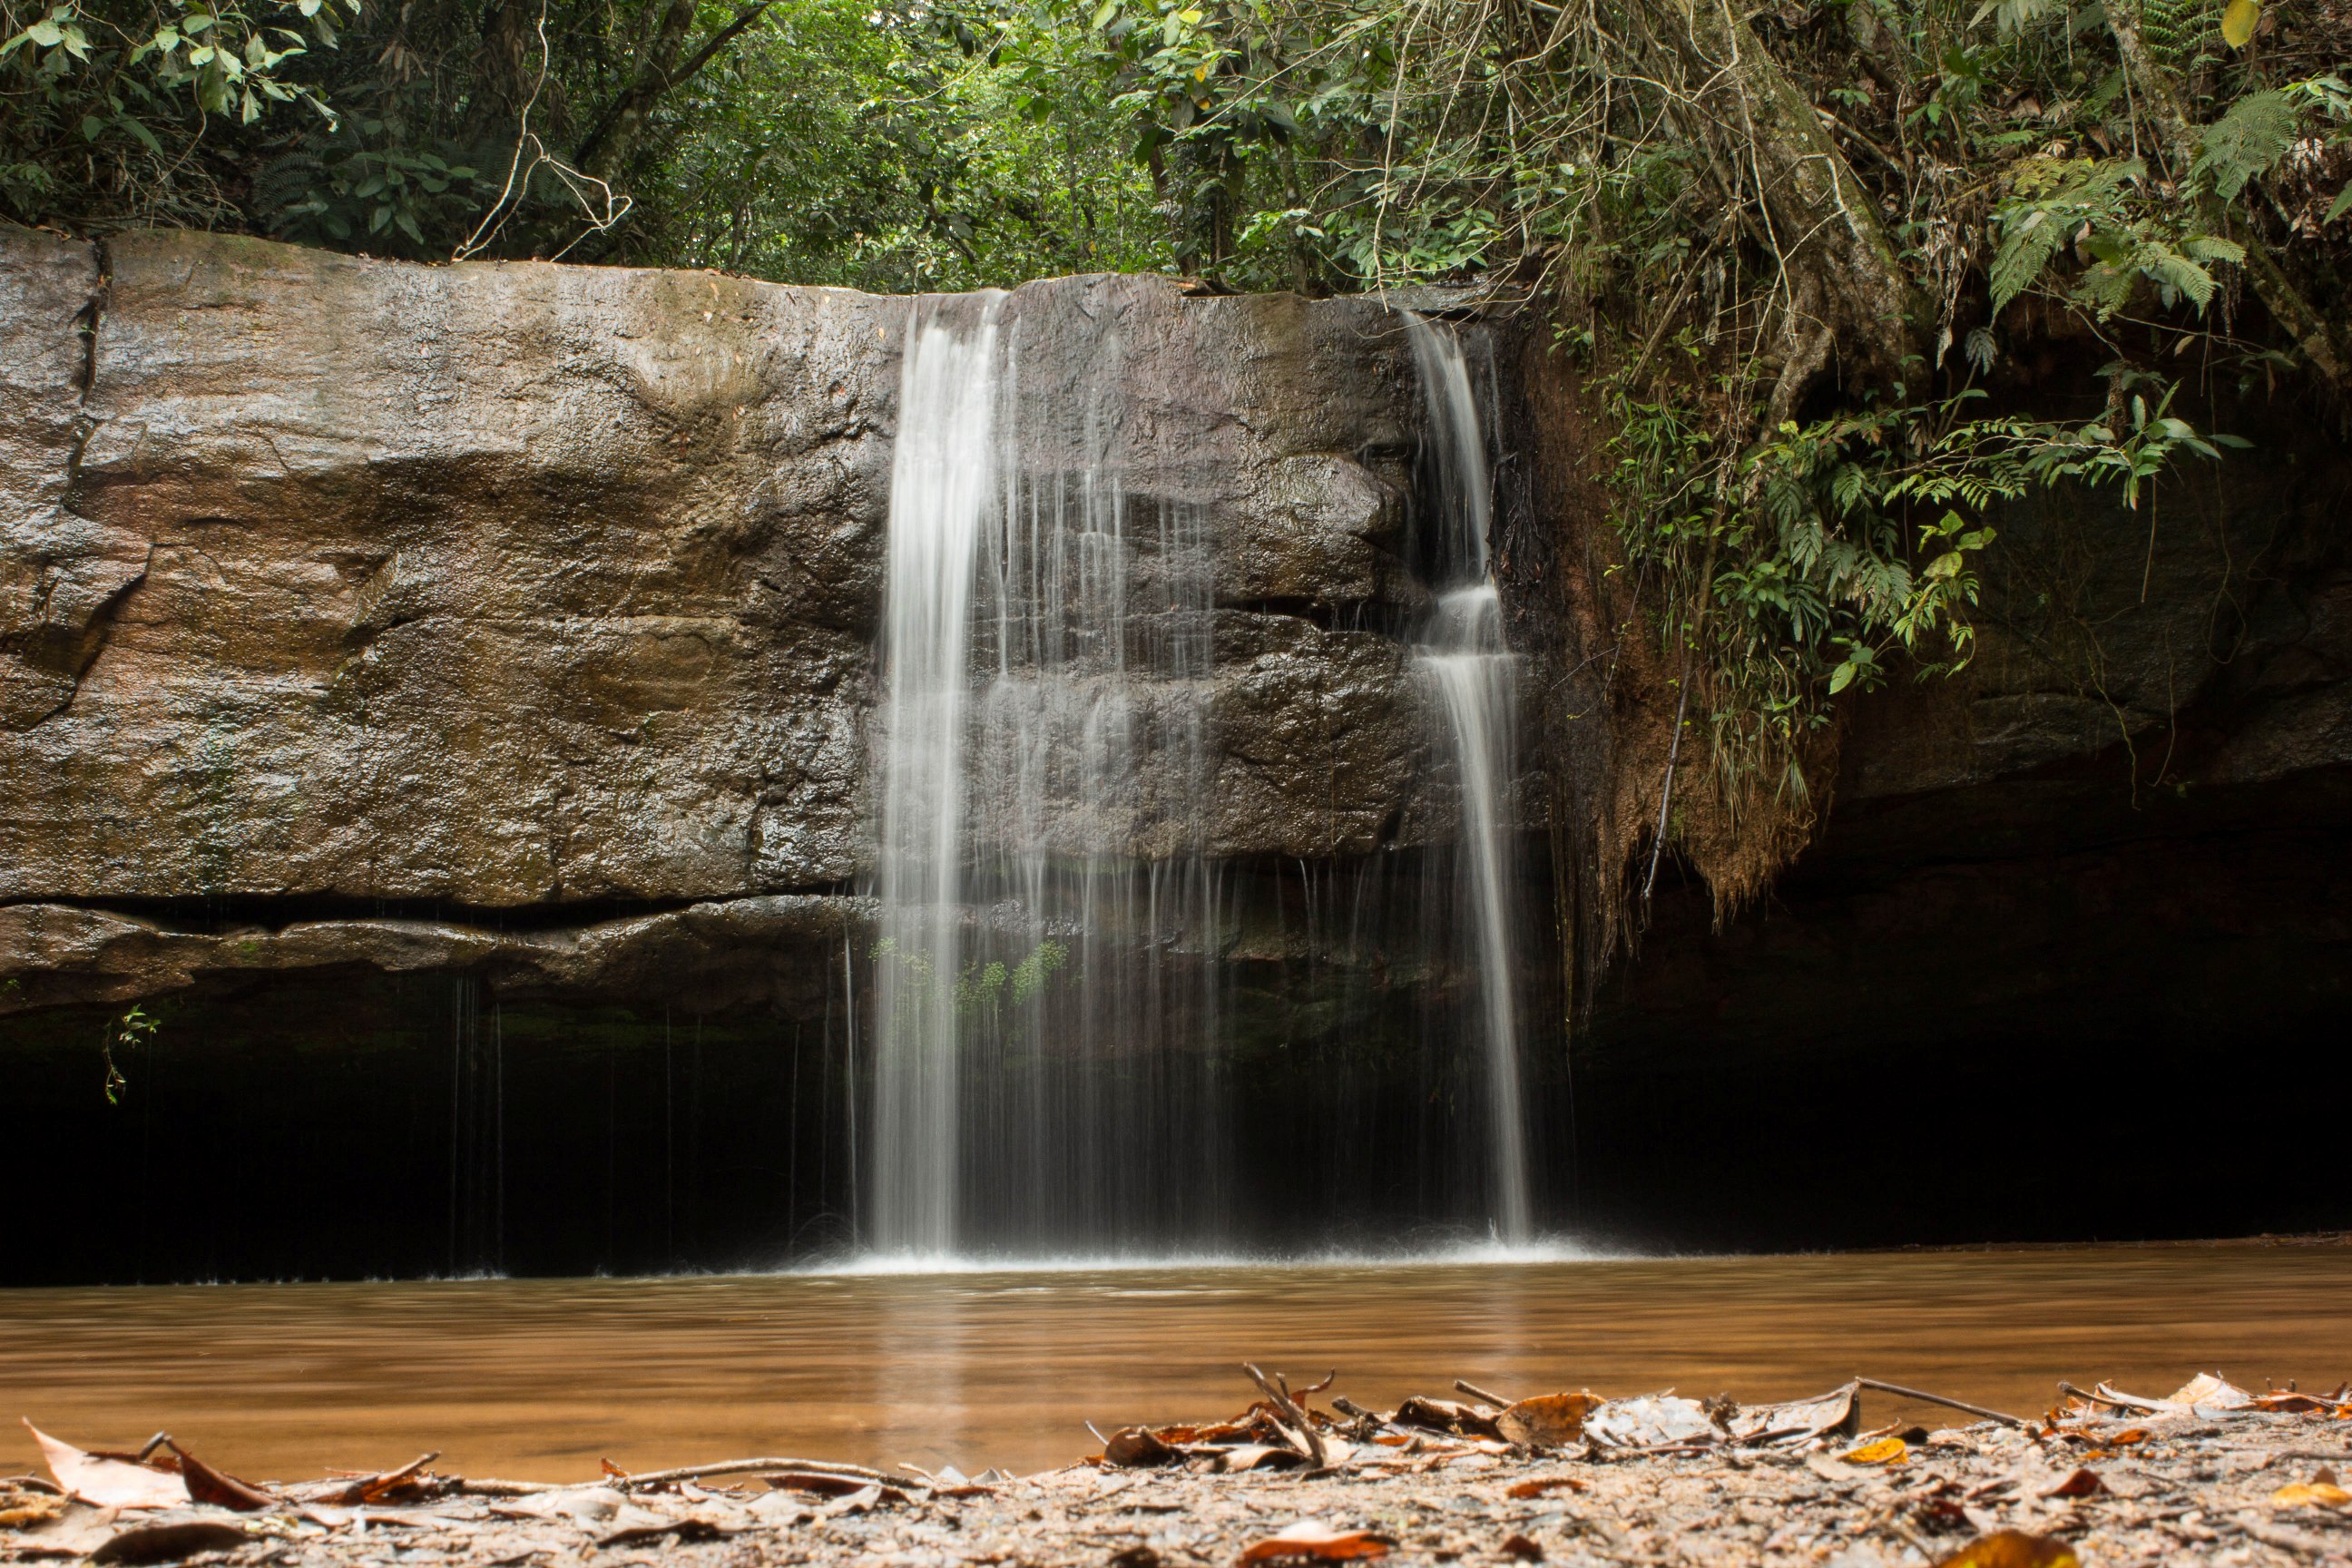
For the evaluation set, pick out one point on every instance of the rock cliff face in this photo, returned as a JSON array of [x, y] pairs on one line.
[[511, 595], [400, 664]]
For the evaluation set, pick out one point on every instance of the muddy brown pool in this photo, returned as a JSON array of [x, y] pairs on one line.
[[541, 1378]]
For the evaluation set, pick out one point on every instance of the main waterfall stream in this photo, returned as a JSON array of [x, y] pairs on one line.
[[1049, 1056], [1045, 1023]]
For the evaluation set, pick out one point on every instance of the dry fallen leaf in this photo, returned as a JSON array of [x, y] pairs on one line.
[[207, 1485], [1525, 1549], [2310, 1494], [1443, 1415], [169, 1543], [1256, 1456], [1313, 1538], [2013, 1549], [2211, 1390], [1652, 1421], [687, 1531], [2080, 1483], [1137, 1445], [1885, 1451], [1794, 1420], [1548, 1420], [1542, 1484], [108, 1483]]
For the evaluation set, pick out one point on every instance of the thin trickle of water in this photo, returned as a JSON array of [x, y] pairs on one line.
[[1466, 660]]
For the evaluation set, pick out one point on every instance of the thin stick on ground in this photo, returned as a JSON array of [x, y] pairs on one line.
[[2090, 1398], [745, 1467], [1896, 1388], [1475, 1392]]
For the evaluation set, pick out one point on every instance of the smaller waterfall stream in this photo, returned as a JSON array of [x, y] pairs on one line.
[[1474, 674]]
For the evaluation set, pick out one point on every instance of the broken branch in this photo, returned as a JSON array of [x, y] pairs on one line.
[[1287, 1408], [1977, 1410]]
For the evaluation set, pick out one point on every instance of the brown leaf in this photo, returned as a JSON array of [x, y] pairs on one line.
[[108, 1483], [824, 1485], [2310, 1494], [1259, 1456], [2013, 1549], [2126, 1439], [406, 1484], [170, 1542], [1315, 1540], [208, 1485], [1548, 1420], [1444, 1415], [1520, 1547], [687, 1530], [1542, 1484], [1137, 1447], [1837, 1412], [2080, 1483]]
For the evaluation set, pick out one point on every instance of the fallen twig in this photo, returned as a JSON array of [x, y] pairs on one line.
[[2117, 1397], [1897, 1389], [1475, 1392], [2085, 1395], [1288, 1409], [742, 1467]]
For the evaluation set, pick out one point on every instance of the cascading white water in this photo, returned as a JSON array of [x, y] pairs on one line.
[[1464, 656], [941, 491], [1044, 1031]]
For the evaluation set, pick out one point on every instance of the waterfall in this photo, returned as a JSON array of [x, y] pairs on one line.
[[1045, 1030], [941, 482], [1463, 655]]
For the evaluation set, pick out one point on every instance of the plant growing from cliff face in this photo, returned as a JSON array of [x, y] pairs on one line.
[[133, 1029], [1787, 569]]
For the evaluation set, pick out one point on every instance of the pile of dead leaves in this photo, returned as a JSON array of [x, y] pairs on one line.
[[1286, 1431]]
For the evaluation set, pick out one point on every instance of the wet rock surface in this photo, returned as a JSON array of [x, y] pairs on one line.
[[521, 587]]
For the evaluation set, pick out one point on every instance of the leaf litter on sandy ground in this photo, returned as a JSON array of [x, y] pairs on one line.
[[2209, 1473]]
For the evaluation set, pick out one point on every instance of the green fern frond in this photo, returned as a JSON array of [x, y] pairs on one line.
[[2245, 142]]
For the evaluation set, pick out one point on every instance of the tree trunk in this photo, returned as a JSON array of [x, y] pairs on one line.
[[2321, 341], [503, 75], [1847, 299]]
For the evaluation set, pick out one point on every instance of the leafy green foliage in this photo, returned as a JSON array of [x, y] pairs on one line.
[[2247, 141], [133, 1029]]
